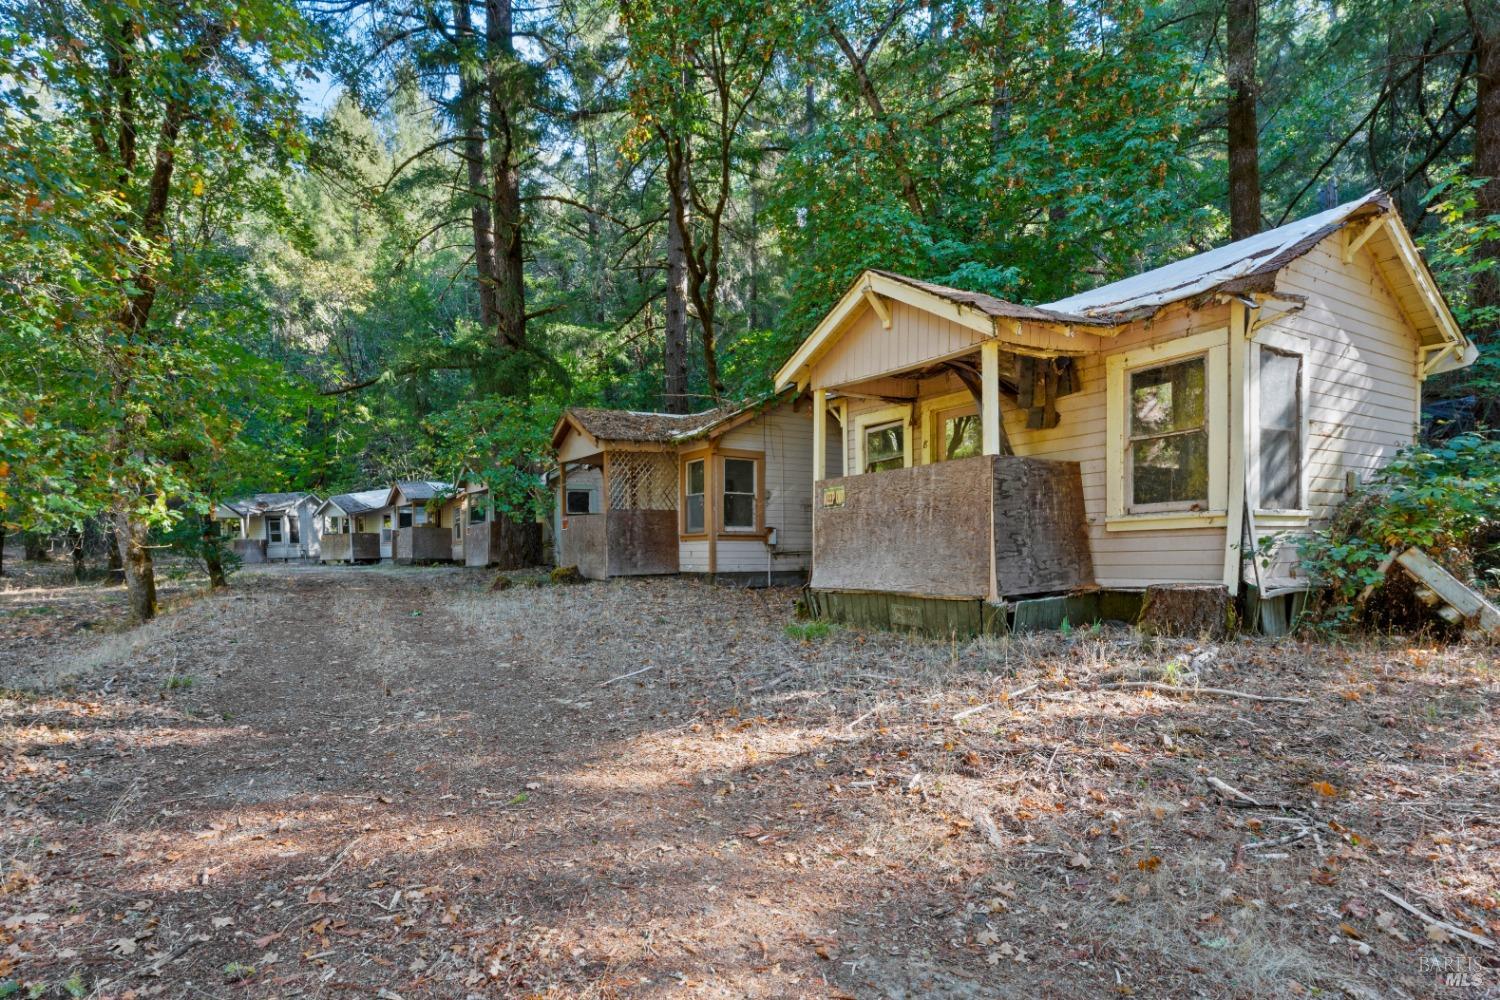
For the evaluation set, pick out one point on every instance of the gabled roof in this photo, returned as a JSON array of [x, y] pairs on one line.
[[1244, 266], [642, 427], [358, 503], [418, 489], [262, 503]]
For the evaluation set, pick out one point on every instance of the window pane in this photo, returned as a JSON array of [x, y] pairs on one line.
[[962, 436], [578, 501], [695, 476], [739, 475], [476, 513], [695, 513], [1280, 430], [404, 517], [884, 447], [294, 528], [419, 515], [739, 511], [1170, 469], [1166, 399]]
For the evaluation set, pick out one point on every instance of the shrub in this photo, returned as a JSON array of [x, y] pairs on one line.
[[1443, 498]]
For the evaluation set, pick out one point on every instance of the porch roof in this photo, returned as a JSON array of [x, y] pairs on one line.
[[605, 427], [358, 503]]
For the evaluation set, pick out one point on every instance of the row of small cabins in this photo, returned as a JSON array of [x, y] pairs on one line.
[[941, 458]]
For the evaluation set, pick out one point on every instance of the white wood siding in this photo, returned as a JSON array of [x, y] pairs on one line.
[[867, 349]]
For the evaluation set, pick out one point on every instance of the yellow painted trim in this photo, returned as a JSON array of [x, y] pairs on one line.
[[820, 436], [1166, 520], [1282, 518], [931, 407], [989, 410], [1353, 243], [1239, 419], [884, 415], [878, 304], [1287, 343]]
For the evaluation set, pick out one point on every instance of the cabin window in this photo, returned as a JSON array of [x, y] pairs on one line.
[[694, 482], [273, 529], [579, 501], [739, 494], [476, 512], [294, 529], [458, 528], [419, 515], [959, 433], [403, 516], [385, 521], [885, 446], [1280, 430], [1168, 427]]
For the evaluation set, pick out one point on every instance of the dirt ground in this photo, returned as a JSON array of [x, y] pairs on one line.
[[395, 783]]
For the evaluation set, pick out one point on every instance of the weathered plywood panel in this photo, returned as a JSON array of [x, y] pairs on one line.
[[423, 543], [583, 538], [640, 542], [503, 543], [1041, 538], [250, 550], [922, 531]]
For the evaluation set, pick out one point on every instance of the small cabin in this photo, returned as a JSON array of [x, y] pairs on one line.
[[725, 493], [485, 537], [1149, 432], [419, 533], [271, 526], [356, 527]]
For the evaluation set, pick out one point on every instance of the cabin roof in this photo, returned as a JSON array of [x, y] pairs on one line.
[[644, 427], [420, 489], [359, 503], [262, 503]]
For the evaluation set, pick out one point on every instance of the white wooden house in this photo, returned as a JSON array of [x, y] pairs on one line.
[[1146, 432], [271, 526], [356, 527]]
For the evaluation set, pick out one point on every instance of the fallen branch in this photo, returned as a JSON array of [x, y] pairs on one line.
[[1012, 696], [1221, 692], [1478, 939], [631, 674]]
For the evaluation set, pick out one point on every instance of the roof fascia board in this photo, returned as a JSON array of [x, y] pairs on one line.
[[1427, 289], [805, 354]]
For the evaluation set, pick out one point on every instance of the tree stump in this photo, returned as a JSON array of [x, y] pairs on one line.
[[1190, 610]]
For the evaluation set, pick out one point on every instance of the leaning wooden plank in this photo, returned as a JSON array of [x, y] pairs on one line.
[[1469, 603]]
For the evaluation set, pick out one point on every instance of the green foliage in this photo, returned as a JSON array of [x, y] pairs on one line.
[[502, 442], [812, 631], [1456, 251], [1442, 498]]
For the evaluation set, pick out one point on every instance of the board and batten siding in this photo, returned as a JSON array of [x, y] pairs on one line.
[[868, 350], [784, 435]]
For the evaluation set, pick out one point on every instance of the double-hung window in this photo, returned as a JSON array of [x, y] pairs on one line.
[[273, 529], [885, 446], [739, 494], [1280, 416], [1167, 464], [694, 485]]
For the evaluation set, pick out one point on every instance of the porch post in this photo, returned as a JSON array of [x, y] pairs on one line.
[[820, 436], [989, 411], [559, 556]]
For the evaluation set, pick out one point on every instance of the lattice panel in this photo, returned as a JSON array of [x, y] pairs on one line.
[[642, 480]]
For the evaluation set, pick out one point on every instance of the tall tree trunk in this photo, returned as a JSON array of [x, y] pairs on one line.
[[891, 144], [505, 190], [1484, 20], [140, 574], [75, 548], [470, 84], [213, 554], [35, 547], [675, 347], [1241, 21], [113, 560], [2, 549]]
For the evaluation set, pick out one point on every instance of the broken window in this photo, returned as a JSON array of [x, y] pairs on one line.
[[692, 488], [1280, 430], [885, 446], [739, 494], [579, 501], [403, 517], [294, 529], [1168, 460]]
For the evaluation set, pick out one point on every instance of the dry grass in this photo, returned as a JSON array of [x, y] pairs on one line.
[[398, 780]]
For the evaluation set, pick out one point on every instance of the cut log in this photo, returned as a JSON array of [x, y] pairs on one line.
[[1185, 610]]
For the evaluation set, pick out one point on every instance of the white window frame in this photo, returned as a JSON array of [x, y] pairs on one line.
[[1286, 343], [877, 418], [589, 491], [280, 531], [702, 529], [724, 495], [1213, 346]]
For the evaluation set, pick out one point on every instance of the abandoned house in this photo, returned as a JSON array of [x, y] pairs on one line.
[[356, 526], [419, 534], [270, 526], [724, 493], [481, 535], [1148, 432]]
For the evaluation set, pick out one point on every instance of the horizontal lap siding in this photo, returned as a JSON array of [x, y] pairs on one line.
[[1363, 369], [866, 349], [1123, 558]]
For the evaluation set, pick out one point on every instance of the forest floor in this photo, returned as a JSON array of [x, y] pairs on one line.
[[392, 782]]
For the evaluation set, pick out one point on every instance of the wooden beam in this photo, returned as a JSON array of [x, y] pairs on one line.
[[989, 410], [820, 437], [1472, 608], [1352, 244], [878, 304]]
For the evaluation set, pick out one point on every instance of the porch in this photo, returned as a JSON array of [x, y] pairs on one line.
[[635, 533], [350, 547]]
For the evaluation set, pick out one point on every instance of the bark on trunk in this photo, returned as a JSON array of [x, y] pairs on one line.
[[470, 82], [2, 550], [505, 189], [675, 348], [876, 106], [75, 547], [1243, 138], [140, 574], [1484, 20], [115, 564], [213, 554]]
